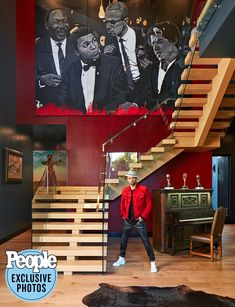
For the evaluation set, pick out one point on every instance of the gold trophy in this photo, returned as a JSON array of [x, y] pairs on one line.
[[198, 183], [185, 175], [169, 187]]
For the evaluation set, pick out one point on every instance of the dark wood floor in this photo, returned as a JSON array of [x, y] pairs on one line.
[[196, 272]]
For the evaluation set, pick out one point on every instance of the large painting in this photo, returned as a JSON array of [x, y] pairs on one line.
[[120, 59], [13, 166]]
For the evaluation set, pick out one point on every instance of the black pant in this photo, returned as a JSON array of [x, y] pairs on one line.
[[141, 228]]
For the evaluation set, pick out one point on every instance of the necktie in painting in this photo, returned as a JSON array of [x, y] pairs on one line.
[[61, 58], [127, 64]]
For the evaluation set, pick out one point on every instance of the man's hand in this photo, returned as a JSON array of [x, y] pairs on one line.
[[142, 57], [127, 105], [51, 80], [144, 62], [109, 49]]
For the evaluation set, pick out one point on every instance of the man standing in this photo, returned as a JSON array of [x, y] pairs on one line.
[[136, 205], [122, 42], [54, 54], [95, 81]]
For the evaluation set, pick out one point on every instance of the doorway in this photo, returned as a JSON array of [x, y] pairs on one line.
[[221, 180]]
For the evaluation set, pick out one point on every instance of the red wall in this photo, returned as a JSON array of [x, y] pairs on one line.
[[85, 134], [85, 137]]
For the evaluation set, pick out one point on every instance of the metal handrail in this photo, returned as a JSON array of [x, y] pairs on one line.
[[110, 140]]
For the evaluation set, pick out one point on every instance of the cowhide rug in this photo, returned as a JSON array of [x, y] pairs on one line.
[[180, 296]]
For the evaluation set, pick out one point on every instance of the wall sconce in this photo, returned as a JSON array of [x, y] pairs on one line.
[[101, 10]]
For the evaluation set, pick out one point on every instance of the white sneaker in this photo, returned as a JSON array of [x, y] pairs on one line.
[[121, 261], [153, 267]]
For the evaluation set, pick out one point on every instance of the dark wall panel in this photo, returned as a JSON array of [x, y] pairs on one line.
[[15, 199], [228, 148]]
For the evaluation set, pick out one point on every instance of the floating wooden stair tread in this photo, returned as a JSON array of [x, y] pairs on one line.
[[198, 74], [187, 114], [146, 158], [191, 89], [69, 215], [184, 125], [78, 251], [157, 149], [220, 125], [228, 102], [77, 188], [184, 134], [216, 134], [80, 193], [190, 102], [135, 165], [68, 189], [111, 181], [122, 173], [65, 196], [81, 238], [223, 114], [69, 226], [194, 58], [167, 142], [37, 205], [190, 134], [230, 89], [81, 266]]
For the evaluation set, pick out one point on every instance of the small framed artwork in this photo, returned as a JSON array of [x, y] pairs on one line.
[[13, 166]]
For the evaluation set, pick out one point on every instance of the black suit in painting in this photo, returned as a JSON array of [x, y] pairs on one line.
[[169, 86], [110, 85], [45, 65], [133, 94]]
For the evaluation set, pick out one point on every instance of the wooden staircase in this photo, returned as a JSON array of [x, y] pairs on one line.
[[202, 114], [201, 120], [66, 222]]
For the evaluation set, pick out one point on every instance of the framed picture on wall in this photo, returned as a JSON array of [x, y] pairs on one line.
[[13, 166]]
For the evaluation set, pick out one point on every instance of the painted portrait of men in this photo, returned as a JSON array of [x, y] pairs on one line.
[[121, 64]]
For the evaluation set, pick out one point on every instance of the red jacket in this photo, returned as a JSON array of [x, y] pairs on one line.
[[142, 202]]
